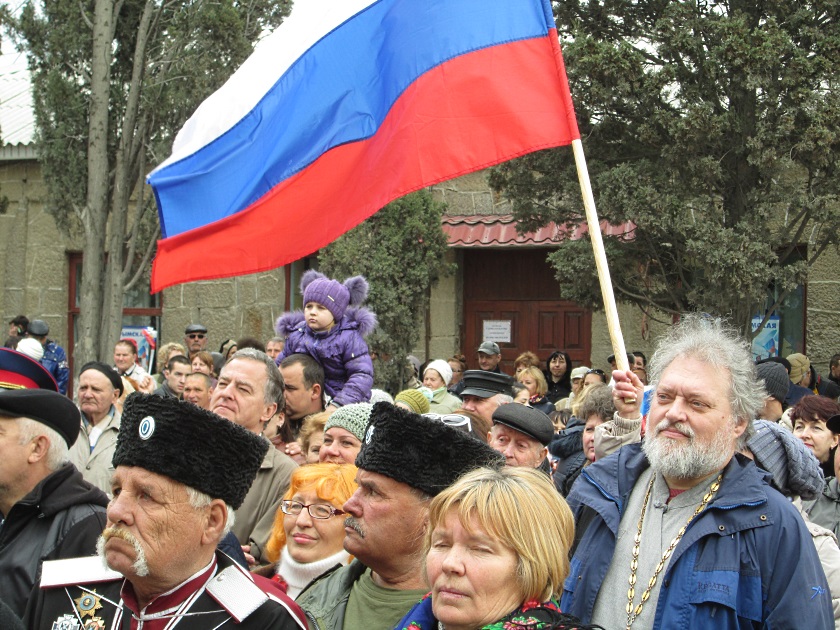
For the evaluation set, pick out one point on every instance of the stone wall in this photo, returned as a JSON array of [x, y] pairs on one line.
[[640, 333], [33, 252], [231, 308], [445, 315], [470, 194], [823, 314], [34, 278]]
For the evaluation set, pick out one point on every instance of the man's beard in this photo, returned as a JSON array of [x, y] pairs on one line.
[[687, 459], [140, 566]]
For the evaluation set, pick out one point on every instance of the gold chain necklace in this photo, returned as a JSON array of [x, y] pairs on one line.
[[633, 613]]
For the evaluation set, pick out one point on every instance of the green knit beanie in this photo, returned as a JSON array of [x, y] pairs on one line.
[[353, 418], [415, 400]]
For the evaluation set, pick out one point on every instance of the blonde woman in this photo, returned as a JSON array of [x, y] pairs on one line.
[[487, 565], [534, 380]]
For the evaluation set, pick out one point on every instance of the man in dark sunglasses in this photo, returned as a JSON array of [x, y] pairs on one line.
[[195, 339]]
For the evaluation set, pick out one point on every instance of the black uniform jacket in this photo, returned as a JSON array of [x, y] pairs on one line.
[[224, 596]]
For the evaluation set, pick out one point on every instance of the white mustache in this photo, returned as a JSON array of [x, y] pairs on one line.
[[680, 427], [141, 567]]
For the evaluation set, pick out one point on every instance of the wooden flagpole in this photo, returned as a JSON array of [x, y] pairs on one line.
[[610, 309]]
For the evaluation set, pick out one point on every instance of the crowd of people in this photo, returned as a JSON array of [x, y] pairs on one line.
[[271, 485]]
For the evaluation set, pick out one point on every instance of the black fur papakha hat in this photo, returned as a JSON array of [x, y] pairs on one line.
[[422, 453], [190, 445]]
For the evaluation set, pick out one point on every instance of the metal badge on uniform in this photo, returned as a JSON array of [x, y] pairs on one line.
[[147, 428], [66, 622], [88, 604], [369, 434], [96, 623]]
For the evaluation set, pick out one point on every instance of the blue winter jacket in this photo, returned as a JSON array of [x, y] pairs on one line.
[[342, 352], [55, 362], [746, 562]]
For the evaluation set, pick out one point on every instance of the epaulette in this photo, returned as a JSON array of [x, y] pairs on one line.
[[72, 571], [236, 592]]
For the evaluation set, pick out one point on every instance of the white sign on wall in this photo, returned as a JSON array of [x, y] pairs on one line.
[[497, 330]]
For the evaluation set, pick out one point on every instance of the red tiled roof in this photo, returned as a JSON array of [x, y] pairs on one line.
[[500, 230]]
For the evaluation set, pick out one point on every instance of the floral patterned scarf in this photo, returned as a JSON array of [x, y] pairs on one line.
[[532, 615]]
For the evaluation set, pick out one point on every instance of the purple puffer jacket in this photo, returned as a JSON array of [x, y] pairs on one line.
[[342, 352]]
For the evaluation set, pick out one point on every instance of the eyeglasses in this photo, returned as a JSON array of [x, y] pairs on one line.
[[196, 335], [597, 371], [316, 510], [454, 420]]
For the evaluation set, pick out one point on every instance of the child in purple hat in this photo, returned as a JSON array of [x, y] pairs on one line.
[[331, 329]]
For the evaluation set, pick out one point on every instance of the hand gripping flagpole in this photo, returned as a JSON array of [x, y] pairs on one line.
[[610, 309]]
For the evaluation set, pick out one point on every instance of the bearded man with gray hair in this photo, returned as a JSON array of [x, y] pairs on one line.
[[180, 471], [682, 529]]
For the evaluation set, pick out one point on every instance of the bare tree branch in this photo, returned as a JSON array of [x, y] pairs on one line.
[[147, 256]]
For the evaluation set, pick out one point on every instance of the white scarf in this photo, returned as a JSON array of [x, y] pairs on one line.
[[297, 574]]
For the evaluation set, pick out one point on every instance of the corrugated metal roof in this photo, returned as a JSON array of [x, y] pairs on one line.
[[17, 118], [500, 231]]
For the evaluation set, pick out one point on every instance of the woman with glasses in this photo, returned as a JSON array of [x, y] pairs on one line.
[[458, 363], [308, 534]]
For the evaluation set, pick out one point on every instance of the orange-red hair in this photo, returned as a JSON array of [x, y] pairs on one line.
[[333, 483]]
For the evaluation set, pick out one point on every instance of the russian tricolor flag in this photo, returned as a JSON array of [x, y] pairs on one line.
[[347, 106]]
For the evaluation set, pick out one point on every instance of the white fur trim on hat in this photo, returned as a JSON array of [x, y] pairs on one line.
[[441, 367]]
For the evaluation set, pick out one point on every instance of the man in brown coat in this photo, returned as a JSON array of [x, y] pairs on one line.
[[249, 391]]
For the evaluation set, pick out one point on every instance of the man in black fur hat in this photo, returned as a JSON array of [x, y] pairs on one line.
[[180, 471], [405, 460]]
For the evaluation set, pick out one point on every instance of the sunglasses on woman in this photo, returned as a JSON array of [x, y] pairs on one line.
[[454, 420]]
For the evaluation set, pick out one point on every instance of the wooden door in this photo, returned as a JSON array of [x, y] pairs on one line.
[[541, 326], [518, 286]]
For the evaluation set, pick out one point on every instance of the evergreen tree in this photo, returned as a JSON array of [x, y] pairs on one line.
[[715, 128], [400, 250], [113, 81]]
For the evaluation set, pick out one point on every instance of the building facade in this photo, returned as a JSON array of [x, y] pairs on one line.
[[503, 286]]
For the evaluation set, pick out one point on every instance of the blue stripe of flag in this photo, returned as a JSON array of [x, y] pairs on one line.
[[339, 91]]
